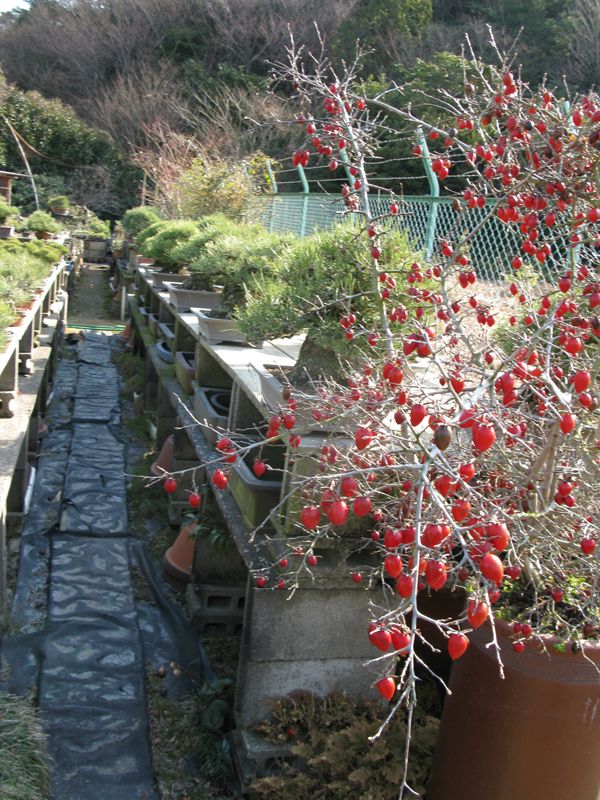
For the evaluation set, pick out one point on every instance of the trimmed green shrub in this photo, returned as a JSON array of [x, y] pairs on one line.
[[161, 245], [149, 232], [136, 219], [322, 278], [58, 202], [41, 221], [210, 228], [239, 264], [7, 211]]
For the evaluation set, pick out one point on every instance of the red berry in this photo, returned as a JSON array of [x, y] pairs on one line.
[[381, 639], [386, 688], [477, 612], [457, 645], [194, 500], [260, 582], [492, 568], [220, 479], [310, 517], [259, 468], [170, 485]]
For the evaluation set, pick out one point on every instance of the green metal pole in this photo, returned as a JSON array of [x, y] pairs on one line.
[[434, 191], [305, 193], [346, 161], [272, 180]]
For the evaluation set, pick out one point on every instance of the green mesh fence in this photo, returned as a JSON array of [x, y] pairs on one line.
[[426, 220]]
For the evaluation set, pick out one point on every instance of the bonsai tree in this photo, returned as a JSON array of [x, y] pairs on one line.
[[324, 281], [161, 244], [239, 264], [472, 457], [136, 219], [40, 222], [7, 211], [210, 228], [58, 203]]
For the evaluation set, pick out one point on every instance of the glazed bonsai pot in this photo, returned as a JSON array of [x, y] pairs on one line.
[[186, 299], [6, 231], [218, 331], [256, 497], [271, 388], [184, 370], [164, 352], [535, 733], [211, 407]]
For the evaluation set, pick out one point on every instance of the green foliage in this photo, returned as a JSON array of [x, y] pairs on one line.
[[83, 222], [543, 28], [151, 230], [226, 187], [337, 762], [322, 278], [162, 243], [210, 228], [58, 202], [41, 221], [372, 21], [136, 219], [24, 766], [7, 211], [47, 251], [239, 263]]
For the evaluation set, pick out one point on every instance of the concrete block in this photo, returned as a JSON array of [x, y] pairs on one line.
[[261, 681], [317, 623]]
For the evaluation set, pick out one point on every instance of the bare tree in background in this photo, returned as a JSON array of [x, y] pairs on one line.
[[136, 99], [583, 67]]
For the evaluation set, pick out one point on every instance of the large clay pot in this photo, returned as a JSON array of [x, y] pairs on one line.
[[179, 558], [535, 734]]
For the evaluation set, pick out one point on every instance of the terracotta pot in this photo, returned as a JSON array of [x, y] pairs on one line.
[[179, 558], [164, 462], [535, 734]]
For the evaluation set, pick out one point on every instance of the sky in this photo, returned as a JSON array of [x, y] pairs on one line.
[[8, 5]]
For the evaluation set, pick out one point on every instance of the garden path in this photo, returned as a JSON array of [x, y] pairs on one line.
[[79, 636]]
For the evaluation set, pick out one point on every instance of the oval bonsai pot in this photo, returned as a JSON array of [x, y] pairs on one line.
[[186, 299], [211, 406], [164, 353], [217, 331], [535, 734]]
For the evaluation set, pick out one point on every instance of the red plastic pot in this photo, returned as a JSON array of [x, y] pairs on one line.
[[533, 736]]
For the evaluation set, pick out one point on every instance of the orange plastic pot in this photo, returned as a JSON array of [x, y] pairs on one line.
[[179, 558], [535, 734]]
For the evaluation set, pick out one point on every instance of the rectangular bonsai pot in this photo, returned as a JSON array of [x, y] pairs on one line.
[[256, 497], [186, 299], [184, 370], [216, 331], [211, 407], [160, 280]]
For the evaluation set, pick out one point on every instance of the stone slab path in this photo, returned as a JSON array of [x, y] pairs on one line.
[[77, 636]]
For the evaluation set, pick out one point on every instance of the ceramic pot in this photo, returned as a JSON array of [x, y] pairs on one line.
[[179, 558], [535, 734]]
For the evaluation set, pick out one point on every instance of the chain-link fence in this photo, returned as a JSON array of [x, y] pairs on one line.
[[491, 243]]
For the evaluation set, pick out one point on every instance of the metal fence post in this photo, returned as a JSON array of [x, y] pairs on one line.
[[434, 191], [305, 194]]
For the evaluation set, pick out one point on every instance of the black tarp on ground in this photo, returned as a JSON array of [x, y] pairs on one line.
[[77, 635]]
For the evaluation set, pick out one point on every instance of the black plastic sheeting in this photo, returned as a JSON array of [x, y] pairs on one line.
[[77, 636]]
